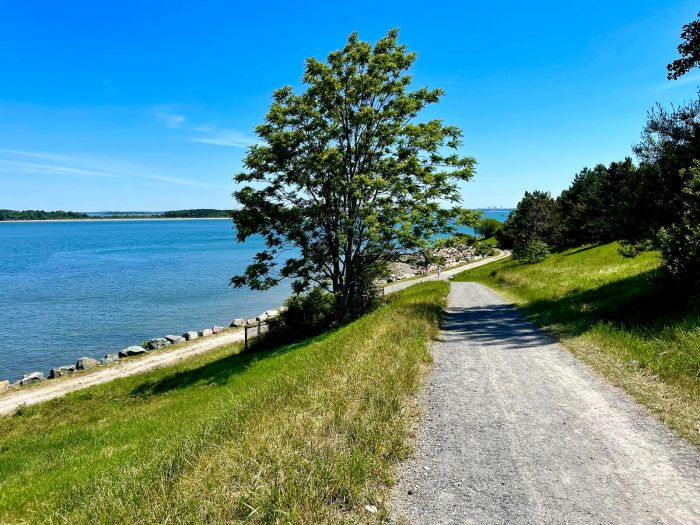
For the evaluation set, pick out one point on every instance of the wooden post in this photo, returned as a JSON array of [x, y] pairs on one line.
[[245, 331]]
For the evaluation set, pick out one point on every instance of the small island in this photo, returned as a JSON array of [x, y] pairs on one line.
[[60, 215]]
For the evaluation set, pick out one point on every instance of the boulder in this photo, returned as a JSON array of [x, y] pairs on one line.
[[110, 358], [271, 313], [251, 322], [237, 322], [174, 339], [216, 329], [61, 371], [132, 350], [190, 335], [31, 378], [4, 386], [206, 332], [86, 362], [160, 342]]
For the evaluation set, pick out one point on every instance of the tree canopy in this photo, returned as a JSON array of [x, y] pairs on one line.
[[345, 178], [689, 50]]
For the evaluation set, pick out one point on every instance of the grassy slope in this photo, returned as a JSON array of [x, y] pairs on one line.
[[613, 313], [307, 433]]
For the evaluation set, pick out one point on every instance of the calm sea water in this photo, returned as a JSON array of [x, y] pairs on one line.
[[73, 289]]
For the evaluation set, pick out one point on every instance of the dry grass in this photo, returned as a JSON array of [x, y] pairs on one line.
[[308, 433]]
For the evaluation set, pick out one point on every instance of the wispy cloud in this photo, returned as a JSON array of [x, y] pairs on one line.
[[171, 120], [203, 133], [79, 165], [683, 81], [222, 137]]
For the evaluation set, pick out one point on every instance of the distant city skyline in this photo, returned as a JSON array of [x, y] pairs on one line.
[[125, 106]]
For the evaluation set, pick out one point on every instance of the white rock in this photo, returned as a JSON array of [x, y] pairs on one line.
[[31, 378], [4, 385], [132, 350], [237, 322], [216, 329], [110, 358], [190, 335], [61, 371], [206, 332], [86, 362], [174, 339]]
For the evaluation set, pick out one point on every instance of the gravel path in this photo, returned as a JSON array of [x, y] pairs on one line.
[[517, 431]]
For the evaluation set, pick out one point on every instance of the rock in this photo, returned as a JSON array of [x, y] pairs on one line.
[[190, 335], [31, 378], [271, 313], [175, 339], [206, 332], [371, 509], [262, 317], [4, 386], [132, 350], [86, 362], [237, 323], [217, 329], [110, 358], [160, 342], [61, 371], [251, 322]]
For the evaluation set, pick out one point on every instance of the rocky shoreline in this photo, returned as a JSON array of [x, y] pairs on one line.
[[412, 265], [86, 363], [408, 267]]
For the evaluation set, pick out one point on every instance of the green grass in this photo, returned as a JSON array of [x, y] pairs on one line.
[[307, 433], [614, 313]]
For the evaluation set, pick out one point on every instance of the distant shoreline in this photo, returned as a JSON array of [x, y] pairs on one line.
[[107, 219]]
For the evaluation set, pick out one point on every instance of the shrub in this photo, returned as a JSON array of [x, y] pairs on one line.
[[484, 250], [631, 249], [489, 227], [307, 314], [531, 251]]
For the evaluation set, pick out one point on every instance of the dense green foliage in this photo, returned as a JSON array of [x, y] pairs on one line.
[[688, 49], [204, 213], [488, 227], [617, 315], [39, 215], [307, 433], [680, 242], [345, 178], [532, 226]]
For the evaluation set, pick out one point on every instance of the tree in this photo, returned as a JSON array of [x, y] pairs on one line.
[[344, 178], [680, 242], [689, 50], [598, 205], [533, 225], [488, 227], [670, 143]]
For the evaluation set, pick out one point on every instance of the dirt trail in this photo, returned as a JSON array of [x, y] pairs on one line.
[[517, 431], [11, 401]]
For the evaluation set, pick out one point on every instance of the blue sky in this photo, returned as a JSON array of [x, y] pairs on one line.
[[149, 105]]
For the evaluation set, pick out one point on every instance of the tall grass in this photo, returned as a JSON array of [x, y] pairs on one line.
[[614, 313], [307, 433]]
